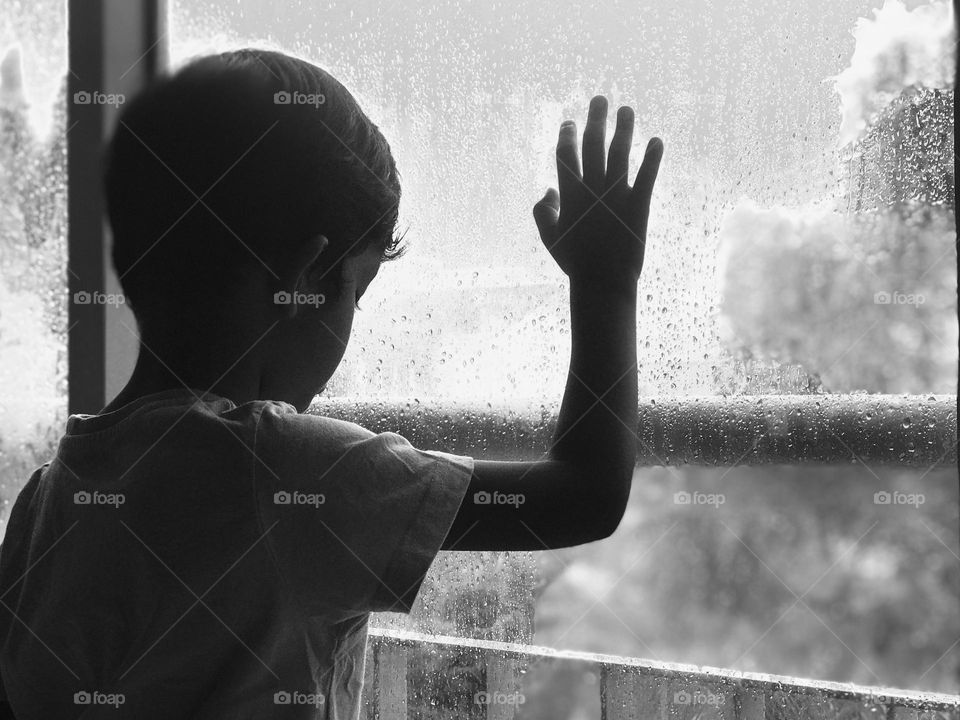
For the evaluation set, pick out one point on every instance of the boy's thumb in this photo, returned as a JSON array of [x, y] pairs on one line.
[[546, 212]]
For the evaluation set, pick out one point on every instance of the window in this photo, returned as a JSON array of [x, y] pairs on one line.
[[801, 253], [794, 510]]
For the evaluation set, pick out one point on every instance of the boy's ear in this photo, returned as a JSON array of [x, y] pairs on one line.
[[295, 268]]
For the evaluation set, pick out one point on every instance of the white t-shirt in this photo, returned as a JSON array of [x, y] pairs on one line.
[[182, 558]]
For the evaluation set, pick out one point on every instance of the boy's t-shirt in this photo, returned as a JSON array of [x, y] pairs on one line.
[[185, 557]]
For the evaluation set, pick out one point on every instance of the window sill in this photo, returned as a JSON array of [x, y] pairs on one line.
[[630, 688]]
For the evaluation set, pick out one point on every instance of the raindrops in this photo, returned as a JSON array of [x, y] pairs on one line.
[[33, 204]]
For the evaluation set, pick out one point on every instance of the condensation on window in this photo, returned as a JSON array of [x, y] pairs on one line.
[[33, 311], [786, 247], [800, 241]]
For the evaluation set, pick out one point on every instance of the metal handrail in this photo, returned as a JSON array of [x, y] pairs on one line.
[[904, 430]]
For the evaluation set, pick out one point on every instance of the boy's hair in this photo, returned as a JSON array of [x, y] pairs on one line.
[[217, 167]]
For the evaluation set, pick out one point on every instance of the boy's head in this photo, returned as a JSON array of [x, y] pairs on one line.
[[245, 180]]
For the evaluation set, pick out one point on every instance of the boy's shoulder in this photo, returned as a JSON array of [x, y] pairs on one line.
[[174, 406], [280, 426]]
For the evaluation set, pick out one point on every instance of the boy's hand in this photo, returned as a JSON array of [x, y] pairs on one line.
[[596, 229]]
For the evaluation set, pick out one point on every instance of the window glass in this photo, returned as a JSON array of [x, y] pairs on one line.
[[33, 310], [780, 227], [801, 240], [844, 573]]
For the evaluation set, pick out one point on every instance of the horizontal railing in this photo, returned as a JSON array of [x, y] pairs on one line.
[[484, 679], [905, 430]]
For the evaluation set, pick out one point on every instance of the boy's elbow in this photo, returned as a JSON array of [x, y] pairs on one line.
[[610, 505], [607, 524]]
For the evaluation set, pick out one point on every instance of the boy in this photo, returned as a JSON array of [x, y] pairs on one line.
[[201, 548]]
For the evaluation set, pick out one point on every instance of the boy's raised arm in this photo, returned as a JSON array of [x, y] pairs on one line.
[[596, 231]]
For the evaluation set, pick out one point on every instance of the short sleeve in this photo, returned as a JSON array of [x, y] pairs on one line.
[[354, 518]]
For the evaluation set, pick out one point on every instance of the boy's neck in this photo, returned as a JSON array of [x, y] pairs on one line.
[[239, 384]]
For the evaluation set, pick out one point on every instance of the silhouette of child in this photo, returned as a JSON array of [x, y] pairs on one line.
[[201, 548]]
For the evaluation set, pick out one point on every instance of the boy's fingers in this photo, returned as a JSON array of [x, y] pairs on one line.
[[568, 164], [594, 137], [546, 213], [618, 160], [646, 177]]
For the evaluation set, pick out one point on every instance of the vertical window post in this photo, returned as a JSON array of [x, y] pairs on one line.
[[116, 47]]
